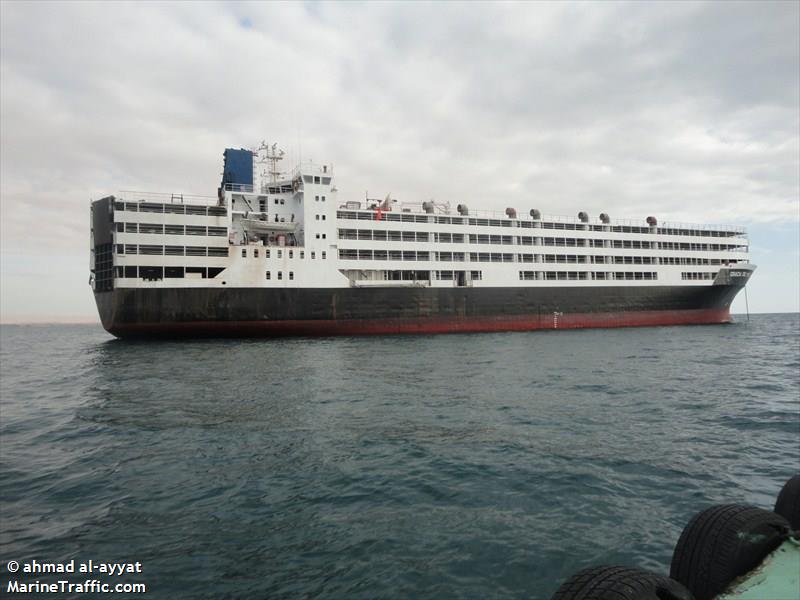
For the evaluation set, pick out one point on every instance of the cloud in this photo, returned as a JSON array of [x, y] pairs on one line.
[[688, 111]]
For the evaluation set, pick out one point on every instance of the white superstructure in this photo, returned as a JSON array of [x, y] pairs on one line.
[[293, 231]]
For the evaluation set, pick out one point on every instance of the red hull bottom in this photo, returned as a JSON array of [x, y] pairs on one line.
[[654, 318]]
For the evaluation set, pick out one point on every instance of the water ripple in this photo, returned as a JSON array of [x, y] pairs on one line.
[[434, 466]]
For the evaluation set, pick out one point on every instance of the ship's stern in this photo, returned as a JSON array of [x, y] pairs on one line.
[[101, 258]]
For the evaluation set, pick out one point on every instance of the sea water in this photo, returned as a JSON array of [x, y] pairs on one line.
[[448, 466]]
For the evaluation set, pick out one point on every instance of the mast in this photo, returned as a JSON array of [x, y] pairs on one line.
[[270, 155], [273, 154]]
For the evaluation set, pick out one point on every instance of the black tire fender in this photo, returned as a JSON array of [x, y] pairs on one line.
[[723, 542], [788, 503], [620, 583]]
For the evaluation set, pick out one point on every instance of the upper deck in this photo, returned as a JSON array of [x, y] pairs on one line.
[[416, 213]]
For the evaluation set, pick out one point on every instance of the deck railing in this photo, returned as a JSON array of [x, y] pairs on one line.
[[165, 198]]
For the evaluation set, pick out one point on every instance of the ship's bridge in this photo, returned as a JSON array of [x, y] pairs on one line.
[[270, 207]]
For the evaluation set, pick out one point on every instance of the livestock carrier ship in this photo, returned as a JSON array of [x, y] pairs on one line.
[[277, 253]]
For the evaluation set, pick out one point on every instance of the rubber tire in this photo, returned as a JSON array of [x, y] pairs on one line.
[[788, 503], [721, 543], [620, 583]]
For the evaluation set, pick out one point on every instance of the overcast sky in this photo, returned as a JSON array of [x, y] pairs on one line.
[[686, 111]]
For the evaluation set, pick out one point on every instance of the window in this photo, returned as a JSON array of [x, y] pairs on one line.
[[323, 236], [199, 272], [255, 253], [173, 272], [291, 275], [151, 273], [280, 253], [244, 252], [316, 198], [323, 198], [282, 202], [316, 179], [276, 200], [291, 253], [262, 205], [153, 228], [268, 274], [302, 254], [317, 216], [312, 256], [266, 253], [323, 217], [317, 236], [280, 274], [323, 255]]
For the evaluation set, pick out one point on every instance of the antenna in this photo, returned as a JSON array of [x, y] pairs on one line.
[[260, 159], [299, 149], [272, 154]]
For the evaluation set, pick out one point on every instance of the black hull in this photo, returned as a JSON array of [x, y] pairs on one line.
[[149, 312]]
